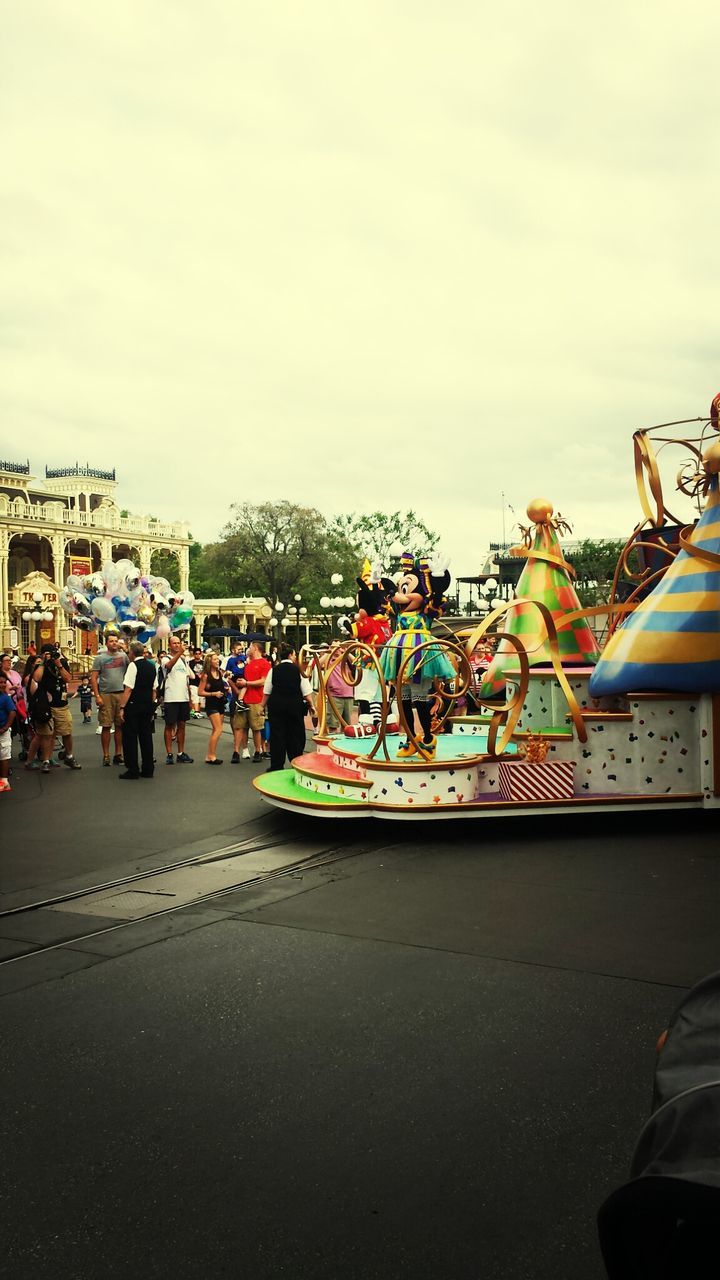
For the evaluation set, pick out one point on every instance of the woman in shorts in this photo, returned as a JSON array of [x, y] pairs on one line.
[[213, 689]]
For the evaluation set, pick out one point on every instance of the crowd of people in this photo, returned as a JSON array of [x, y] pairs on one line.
[[266, 701]]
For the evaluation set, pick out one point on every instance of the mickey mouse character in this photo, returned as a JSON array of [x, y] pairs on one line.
[[371, 625], [417, 601]]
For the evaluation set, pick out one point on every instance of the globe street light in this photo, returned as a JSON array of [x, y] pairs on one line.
[[298, 611], [336, 602], [489, 590], [37, 613]]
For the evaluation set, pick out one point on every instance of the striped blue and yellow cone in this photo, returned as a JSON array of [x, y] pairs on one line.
[[672, 640]]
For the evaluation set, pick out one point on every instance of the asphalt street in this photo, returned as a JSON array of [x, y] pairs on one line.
[[429, 1059], [70, 828]]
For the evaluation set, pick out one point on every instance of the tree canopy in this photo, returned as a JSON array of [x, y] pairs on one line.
[[275, 550], [281, 549], [594, 563], [381, 536]]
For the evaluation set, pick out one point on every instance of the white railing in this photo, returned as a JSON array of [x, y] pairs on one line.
[[102, 520]]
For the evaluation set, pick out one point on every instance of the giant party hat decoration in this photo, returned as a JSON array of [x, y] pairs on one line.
[[672, 640], [547, 577]]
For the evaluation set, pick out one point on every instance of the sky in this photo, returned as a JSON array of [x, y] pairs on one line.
[[361, 257]]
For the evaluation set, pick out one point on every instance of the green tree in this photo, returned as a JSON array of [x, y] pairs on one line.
[[379, 535], [594, 563], [165, 565], [214, 570], [280, 549]]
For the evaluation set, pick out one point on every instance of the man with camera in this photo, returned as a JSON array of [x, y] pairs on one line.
[[176, 705], [49, 678]]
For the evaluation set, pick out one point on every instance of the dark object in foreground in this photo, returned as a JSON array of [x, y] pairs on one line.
[[665, 1222]]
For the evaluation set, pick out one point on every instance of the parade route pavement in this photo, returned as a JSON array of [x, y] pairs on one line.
[[66, 829], [428, 1056]]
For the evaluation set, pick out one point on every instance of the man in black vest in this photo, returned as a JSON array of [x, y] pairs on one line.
[[286, 694], [137, 706]]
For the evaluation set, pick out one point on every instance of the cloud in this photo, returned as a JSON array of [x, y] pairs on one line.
[[358, 257]]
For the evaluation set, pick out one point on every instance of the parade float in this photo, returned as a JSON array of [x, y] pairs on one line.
[[565, 725]]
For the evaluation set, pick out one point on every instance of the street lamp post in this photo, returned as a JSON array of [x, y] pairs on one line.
[[277, 620], [336, 602], [37, 613], [488, 594], [299, 611]]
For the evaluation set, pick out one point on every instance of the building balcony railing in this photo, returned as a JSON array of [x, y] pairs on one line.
[[103, 520], [16, 468], [91, 473]]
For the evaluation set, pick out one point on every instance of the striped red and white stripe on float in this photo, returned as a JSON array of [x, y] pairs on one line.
[[524, 780]]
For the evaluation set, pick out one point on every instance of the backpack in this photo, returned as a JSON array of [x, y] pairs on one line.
[[664, 1221], [40, 706], [160, 685]]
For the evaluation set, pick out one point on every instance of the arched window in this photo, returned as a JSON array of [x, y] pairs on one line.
[[19, 566]]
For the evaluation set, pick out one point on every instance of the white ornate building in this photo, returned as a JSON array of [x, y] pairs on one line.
[[68, 522]]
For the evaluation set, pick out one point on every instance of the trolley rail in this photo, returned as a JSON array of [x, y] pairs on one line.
[[311, 862]]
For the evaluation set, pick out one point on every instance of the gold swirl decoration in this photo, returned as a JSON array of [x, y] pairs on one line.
[[351, 675], [647, 471], [504, 718], [514, 706], [352, 656], [646, 464], [700, 553], [694, 479], [695, 484], [461, 663]]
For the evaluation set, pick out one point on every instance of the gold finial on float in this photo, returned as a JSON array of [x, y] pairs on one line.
[[539, 510]]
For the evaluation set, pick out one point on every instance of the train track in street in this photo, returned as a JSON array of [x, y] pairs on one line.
[[146, 895]]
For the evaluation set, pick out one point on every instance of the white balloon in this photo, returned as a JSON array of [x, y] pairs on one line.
[[112, 577], [103, 609]]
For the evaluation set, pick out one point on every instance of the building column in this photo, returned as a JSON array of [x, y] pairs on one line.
[[199, 616], [57, 543], [145, 557], [184, 562], [4, 589]]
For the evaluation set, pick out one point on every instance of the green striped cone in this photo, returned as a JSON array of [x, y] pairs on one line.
[[551, 584]]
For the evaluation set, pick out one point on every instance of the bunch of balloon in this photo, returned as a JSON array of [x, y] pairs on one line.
[[119, 599]]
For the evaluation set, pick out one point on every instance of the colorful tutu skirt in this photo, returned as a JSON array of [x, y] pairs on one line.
[[425, 665]]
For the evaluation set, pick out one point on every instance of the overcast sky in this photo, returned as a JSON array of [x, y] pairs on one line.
[[358, 256]]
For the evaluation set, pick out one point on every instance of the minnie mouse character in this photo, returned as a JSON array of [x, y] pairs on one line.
[[416, 602]]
